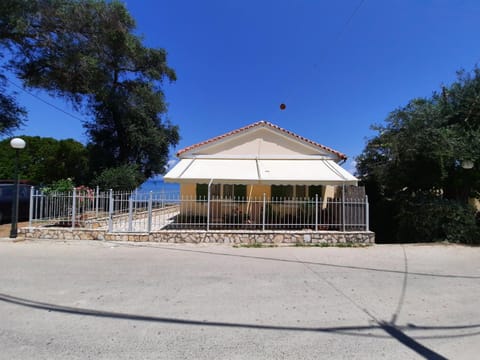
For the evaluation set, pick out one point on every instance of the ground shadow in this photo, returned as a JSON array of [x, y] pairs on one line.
[[354, 330], [391, 329], [298, 261]]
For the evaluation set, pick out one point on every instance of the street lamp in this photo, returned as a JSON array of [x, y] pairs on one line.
[[467, 164], [17, 144]]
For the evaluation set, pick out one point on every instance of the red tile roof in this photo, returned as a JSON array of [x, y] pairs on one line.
[[257, 124]]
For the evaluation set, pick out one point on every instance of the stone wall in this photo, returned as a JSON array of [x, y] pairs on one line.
[[199, 236]]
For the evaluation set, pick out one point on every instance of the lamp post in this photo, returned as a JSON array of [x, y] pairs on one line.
[[17, 144], [467, 164]]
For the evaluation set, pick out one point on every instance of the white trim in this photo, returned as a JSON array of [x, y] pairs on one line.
[[263, 157], [290, 137], [260, 171]]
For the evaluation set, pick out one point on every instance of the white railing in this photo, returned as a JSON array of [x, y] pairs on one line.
[[146, 212]]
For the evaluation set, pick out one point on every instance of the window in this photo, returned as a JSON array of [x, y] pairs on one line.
[[202, 191], [300, 191], [282, 191], [315, 190], [215, 190], [234, 191], [219, 190], [297, 191], [240, 191], [228, 191]]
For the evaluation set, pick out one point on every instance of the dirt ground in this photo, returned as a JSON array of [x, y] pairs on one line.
[[5, 228]]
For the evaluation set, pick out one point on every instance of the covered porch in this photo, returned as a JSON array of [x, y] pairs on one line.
[[307, 192]]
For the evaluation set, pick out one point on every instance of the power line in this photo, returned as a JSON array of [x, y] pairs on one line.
[[352, 15], [328, 45], [44, 101]]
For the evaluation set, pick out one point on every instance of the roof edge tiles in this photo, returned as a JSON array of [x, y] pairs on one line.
[[258, 124]]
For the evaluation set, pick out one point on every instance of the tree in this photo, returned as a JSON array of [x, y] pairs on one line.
[[46, 160], [86, 51], [124, 177], [412, 168], [12, 116]]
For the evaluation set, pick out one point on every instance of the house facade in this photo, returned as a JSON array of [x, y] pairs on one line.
[[237, 172], [261, 158]]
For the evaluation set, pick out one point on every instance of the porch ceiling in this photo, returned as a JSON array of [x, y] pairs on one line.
[[260, 171]]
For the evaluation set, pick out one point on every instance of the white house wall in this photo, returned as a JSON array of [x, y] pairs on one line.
[[260, 142]]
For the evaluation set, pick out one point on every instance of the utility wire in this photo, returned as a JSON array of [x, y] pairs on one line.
[[335, 38], [44, 101]]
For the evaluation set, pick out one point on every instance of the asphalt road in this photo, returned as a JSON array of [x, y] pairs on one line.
[[101, 300]]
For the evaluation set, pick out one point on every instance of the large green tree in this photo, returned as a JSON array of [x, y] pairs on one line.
[[46, 160], [12, 115], [87, 52], [413, 168]]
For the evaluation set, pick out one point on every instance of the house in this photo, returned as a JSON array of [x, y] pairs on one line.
[[258, 162], [264, 158]]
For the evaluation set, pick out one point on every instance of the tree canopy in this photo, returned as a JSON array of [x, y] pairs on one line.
[[45, 160], [87, 52], [12, 115], [414, 165]]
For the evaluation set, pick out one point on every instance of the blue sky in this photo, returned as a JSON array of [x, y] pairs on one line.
[[339, 66]]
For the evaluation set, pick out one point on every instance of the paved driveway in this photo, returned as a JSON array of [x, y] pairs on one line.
[[101, 300]]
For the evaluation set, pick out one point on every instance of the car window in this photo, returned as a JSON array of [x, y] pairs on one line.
[[24, 191], [6, 191]]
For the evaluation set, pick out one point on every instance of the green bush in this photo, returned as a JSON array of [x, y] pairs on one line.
[[434, 219], [62, 185], [124, 177]]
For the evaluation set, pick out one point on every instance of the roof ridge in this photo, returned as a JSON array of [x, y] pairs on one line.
[[256, 124]]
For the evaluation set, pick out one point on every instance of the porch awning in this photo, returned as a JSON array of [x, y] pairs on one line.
[[260, 171]]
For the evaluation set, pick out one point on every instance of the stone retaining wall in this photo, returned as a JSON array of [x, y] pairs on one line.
[[200, 236]]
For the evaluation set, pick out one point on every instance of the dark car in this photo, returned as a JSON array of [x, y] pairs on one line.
[[6, 197]]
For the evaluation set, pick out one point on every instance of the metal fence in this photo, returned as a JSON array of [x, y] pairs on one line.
[[146, 212]]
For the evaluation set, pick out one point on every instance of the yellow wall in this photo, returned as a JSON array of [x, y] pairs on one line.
[[188, 190], [257, 191]]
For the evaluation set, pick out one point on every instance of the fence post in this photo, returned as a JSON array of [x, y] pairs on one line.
[[110, 211], [97, 200], [150, 212], [316, 212], [30, 209], [136, 198], [367, 215], [208, 205], [40, 211], [264, 211], [343, 207], [130, 212], [74, 207]]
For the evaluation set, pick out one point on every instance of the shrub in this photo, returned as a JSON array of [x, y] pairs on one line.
[[425, 219], [62, 185], [124, 177]]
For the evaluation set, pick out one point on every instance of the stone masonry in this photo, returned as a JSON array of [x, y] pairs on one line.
[[200, 236]]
